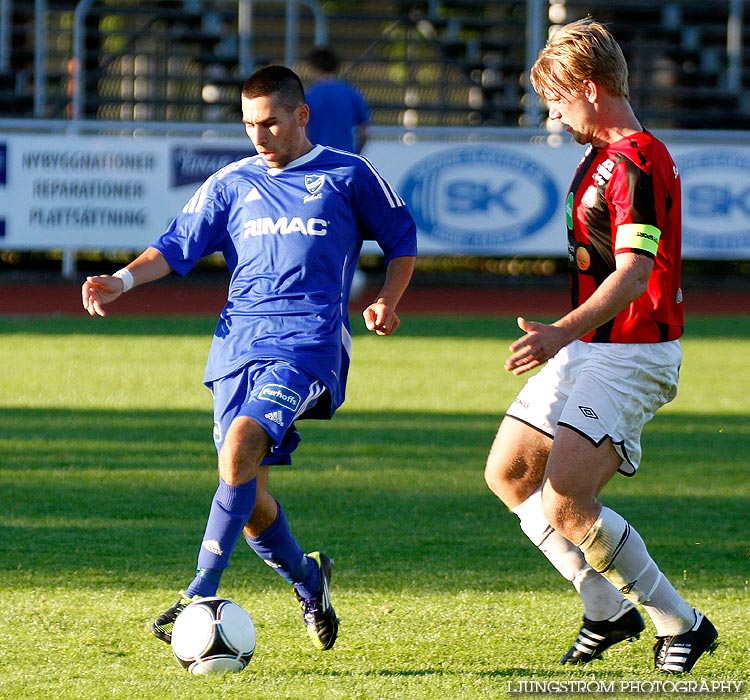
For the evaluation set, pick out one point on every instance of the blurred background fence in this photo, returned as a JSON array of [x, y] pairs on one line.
[[124, 67], [423, 62]]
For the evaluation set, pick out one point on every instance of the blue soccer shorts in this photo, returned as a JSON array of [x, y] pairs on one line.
[[274, 394]]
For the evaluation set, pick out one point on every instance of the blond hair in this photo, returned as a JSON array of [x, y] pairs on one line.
[[580, 51]]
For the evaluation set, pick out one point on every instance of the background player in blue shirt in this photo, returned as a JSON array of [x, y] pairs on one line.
[[338, 112], [290, 222]]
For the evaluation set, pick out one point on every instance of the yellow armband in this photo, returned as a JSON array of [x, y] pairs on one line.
[[638, 237]]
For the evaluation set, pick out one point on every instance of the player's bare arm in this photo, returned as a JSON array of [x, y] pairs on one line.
[[541, 341], [380, 316], [99, 290]]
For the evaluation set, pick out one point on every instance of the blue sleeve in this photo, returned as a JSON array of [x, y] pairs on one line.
[[383, 213], [200, 229]]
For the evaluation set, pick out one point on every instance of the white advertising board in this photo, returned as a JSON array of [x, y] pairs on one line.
[[78, 192], [715, 201], [485, 199], [507, 199], [105, 193]]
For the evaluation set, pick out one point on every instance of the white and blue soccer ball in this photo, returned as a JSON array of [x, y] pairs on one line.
[[213, 635]]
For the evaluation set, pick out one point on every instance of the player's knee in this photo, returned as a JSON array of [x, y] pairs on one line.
[[236, 472], [510, 485], [245, 446], [516, 463], [496, 479], [565, 515], [554, 511], [495, 474]]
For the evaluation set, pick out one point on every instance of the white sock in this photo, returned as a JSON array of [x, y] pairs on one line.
[[613, 548], [601, 600]]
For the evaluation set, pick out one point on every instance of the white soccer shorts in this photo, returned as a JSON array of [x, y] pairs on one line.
[[602, 390]]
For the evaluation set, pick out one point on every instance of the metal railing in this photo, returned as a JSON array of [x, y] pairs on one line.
[[244, 33], [65, 79]]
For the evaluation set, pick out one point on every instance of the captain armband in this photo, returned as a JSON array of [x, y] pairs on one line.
[[641, 237]]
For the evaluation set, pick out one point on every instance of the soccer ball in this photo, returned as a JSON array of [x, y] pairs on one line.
[[213, 635]]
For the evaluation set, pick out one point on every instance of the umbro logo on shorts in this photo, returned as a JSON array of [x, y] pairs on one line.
[[588, 412]]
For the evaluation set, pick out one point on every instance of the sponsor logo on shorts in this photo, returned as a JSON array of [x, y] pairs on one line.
[[281, 395], [588, 412], [217, 432], [277, 417]]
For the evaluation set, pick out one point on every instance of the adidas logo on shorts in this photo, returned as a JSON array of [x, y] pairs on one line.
[[276, 416]]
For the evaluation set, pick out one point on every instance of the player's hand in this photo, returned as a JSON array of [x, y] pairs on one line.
[[381, 318], [539, 342], [98, 291]]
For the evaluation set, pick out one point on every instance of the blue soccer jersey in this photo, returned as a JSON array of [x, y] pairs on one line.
[[336, 109], [291, 238]]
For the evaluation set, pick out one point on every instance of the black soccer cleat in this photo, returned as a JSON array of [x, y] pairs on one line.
[[162, 626], [678, 653], [596, 637], [318, 613]]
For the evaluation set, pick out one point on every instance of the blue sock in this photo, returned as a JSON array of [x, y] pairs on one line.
[[277, 547], [230, 509]]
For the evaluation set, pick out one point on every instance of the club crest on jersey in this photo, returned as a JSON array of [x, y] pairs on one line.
[[314, 183]]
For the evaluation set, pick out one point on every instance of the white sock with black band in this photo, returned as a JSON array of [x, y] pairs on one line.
[[614, 549], [601, 600]]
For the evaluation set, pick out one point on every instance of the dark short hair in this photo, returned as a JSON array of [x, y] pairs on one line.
[[323, 59], [280, 81]]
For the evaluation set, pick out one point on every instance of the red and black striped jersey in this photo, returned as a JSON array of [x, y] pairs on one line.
[[626, 197]]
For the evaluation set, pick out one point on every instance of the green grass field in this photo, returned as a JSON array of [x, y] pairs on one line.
[[107, 468]]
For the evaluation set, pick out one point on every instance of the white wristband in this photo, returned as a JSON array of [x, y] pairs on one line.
[[126, 277]]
